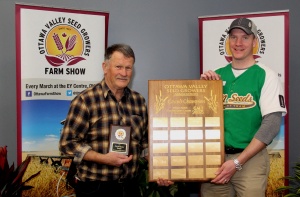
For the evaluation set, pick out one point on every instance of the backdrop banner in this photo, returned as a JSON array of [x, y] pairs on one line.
[[59, 53], [272, 50]]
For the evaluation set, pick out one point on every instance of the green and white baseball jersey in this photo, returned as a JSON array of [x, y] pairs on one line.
[[247, 98]]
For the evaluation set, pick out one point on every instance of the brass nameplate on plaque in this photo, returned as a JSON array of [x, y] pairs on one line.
[[119, 139], [186, 132]]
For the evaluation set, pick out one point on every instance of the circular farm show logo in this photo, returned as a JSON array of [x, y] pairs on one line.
[[258, 50], [64, 42]]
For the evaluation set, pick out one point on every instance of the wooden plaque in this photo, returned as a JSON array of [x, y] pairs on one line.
[[186, 132], [119, 139]]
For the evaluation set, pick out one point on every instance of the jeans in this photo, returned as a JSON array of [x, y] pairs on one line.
[[128, 188]]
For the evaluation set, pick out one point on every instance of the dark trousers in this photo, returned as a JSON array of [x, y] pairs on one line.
[[128, 188]]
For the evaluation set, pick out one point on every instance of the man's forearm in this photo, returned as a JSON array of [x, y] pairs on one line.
[[252, 149]]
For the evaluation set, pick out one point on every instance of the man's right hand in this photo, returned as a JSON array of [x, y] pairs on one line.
[[164, 182], [116, 159], [111, 158], [210, 75]]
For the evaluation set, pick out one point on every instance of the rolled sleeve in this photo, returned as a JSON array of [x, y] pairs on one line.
[[78, 156]]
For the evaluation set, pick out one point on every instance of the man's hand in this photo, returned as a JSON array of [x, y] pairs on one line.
[[164, 182], [116, 159], [111, 158], [224, 173], [210, 75]]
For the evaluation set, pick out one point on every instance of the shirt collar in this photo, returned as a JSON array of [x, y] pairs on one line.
[[106, 89]]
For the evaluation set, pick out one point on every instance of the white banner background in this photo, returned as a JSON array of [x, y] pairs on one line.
[[59, 54]]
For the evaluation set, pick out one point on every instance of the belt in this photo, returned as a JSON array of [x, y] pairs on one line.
[[122, 180], [230, 150], [120, 186], [107, 183]]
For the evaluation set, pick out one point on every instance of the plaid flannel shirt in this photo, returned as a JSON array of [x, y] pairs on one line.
[[87, 127]]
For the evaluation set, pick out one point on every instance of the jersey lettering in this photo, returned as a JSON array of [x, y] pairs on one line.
[[238, 102]]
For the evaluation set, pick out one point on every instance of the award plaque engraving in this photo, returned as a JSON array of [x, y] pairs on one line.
[[119, 139], [186, 132]]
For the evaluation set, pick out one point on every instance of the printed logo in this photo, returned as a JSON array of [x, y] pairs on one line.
[[258, 50], [64, 42], [69, 93], [120, 134], [238, 102], [28, 93]]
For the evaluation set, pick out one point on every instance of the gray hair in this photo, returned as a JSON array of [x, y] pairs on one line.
[[125, 49]]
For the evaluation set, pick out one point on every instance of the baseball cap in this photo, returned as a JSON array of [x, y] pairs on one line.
[[244, 24]]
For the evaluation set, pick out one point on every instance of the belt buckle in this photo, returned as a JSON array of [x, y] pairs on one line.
[[230, 150]]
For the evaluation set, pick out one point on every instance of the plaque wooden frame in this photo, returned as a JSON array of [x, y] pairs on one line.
[[186, 129]]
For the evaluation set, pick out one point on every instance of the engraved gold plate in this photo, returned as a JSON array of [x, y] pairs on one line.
[[186, 134]]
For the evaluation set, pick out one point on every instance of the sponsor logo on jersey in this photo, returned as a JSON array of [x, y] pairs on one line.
[[236, 101]]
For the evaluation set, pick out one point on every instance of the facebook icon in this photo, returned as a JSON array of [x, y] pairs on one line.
[[28, 93]]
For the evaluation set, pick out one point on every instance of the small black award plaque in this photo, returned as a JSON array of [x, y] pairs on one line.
[[119, 139]]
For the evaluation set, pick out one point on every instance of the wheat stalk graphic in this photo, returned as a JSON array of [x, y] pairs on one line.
[[62, 58], [69, 46], [160, 102], [212, 102], [58, 42]]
